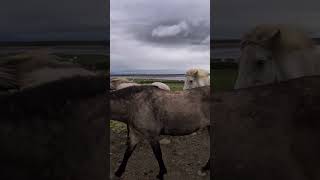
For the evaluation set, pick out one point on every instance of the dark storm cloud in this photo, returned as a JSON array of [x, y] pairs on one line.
[[174, 32], [159, 34], [53, 20], [231, 18]]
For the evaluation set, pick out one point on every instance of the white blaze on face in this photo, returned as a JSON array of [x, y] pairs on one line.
[[194, 82], [189, 82], [196, 78]]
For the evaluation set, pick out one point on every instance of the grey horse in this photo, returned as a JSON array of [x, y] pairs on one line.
[[151, 112]]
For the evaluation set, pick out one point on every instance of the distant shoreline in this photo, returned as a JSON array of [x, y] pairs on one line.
[[53, 43], [147, 74], [172, 77]]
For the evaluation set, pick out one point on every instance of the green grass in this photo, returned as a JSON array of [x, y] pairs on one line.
[[118, 127], [92, 61], [223, 79]]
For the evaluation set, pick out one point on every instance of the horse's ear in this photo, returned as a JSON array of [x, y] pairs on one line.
[[196, 73], [276, 35], [273, 36]]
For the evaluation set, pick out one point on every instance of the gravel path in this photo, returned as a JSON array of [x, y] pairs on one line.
[[183, 157]]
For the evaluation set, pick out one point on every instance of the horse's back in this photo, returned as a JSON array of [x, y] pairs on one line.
[[268, 132]]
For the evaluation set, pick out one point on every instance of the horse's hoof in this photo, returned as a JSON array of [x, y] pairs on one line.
[[113, 177], [160, 177], [202, 173], [117, 176]]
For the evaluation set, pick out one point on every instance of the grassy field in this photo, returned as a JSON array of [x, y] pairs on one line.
[[221, 80], [92, 61]]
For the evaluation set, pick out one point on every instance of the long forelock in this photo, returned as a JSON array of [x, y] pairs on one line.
[[291, 38], [197, 73]]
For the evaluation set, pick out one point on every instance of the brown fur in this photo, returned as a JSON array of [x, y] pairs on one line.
[[55, 131], [290, 38], [268, 132]]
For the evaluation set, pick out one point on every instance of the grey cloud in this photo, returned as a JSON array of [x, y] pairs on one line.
[[159, 34], [173, 32], [47, 20], [231, 18], [167, 31], [206, 40]]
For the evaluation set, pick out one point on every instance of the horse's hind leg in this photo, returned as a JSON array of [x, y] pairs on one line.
[[132, 142], [157, 152], [207, 166], [202, 171]]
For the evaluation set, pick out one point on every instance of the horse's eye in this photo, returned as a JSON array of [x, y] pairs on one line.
[[261, 62]]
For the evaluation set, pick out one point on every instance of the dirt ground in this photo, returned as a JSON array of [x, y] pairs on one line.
[[183, 157]]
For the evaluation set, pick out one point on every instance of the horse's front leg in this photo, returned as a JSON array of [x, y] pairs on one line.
[[132, 142], [155, 145]]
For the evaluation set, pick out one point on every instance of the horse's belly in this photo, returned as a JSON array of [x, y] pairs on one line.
[[181, 127], [178, 131]]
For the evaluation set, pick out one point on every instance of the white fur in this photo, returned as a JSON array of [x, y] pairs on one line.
[[196, 78], [161, 85], [125, 85]]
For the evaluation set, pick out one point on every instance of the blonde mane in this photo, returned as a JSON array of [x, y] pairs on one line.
[[120, 80], [290, 38], [197, 73]]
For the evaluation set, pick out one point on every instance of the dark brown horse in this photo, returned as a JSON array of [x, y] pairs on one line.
[[54, 127], [151, 112], [268, 132]]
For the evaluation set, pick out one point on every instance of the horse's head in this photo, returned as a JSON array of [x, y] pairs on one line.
[[196, 78], [263, 54], [256, 66], [116, 82]]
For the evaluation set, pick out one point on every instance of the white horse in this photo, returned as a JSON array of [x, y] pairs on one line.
[[120, 83], [273, 53], [161, 85], [196, 78]]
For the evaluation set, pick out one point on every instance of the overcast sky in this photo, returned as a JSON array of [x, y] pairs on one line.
[[153, 35], [34, 20], [231, 18]]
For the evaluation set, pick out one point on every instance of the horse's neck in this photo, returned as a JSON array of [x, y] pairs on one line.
[[298, 64], [203, 82], [118, 109]]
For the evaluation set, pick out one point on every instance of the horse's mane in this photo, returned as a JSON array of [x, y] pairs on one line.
[[196, 72], [52, 97], [120, 80], [291, 38], [131, 90], [15, 68]]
